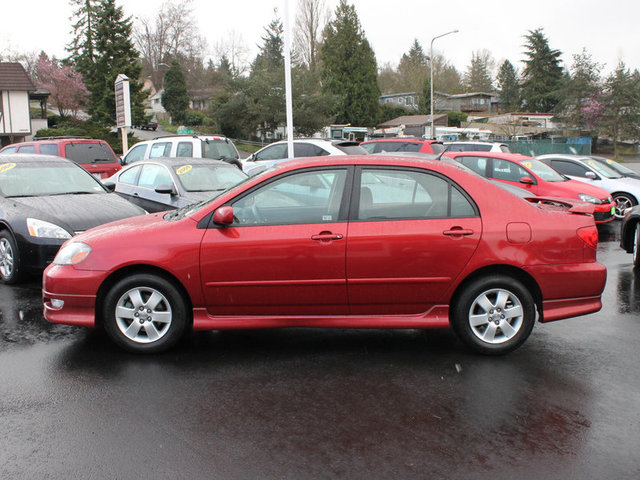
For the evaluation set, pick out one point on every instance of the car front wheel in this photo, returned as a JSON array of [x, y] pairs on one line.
[[623, 201], [145, 313], [494, 315], [636, 245], [10, 269]]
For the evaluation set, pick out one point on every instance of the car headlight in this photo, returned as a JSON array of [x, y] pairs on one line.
[[589, 198], [72, 253], [42, 229]]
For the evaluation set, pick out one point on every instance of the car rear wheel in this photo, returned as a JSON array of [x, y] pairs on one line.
[[10, 271], [144, 313], [494, 314], [623, 201]]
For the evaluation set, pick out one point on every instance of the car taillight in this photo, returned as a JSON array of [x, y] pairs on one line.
[[589, 235]]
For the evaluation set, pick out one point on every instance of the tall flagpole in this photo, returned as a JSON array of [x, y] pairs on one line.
[[287, 78]]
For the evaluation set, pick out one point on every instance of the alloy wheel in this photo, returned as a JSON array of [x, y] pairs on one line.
[[6, 258], [143, 315], [496, 316]]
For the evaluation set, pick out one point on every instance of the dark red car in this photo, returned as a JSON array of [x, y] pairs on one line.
[[346, 242], [402, 144], [95, 156], [538, 178]]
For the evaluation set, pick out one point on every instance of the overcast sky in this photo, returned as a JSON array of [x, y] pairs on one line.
[[608, 30]]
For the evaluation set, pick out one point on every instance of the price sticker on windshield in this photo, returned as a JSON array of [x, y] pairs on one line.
[[6, 167], [528, 164], [592, 163], [610, 162], [184, 169]]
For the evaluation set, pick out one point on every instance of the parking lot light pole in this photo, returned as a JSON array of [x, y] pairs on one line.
[[433, 128]]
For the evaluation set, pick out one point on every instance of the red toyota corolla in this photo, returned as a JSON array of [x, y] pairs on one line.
[[538, 178], [347, 242]]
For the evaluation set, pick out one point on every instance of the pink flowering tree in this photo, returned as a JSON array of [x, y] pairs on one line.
[[68, 93], [592, 112]]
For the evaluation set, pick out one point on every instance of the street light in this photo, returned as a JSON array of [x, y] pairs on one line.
[[433, 128]]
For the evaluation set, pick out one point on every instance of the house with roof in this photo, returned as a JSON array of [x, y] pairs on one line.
[[15, 118], [473, 102], [410, 125]]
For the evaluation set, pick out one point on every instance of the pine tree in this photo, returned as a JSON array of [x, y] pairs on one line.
[[349, 69], [413, 68], [542, 76], [509, 86], [82, 47], [582, 84], [113, 54], [621, 120], [478, 75], [175, 97]]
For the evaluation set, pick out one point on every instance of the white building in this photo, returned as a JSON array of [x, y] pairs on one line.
[[15, 118]]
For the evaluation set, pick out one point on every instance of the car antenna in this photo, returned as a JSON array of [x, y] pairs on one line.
[[442, 152]]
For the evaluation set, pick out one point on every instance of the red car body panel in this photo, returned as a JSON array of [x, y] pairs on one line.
[[358, 274], [543, 188]]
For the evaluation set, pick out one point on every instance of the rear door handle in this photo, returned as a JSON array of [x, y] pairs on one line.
[[458, 231], [326, 236]]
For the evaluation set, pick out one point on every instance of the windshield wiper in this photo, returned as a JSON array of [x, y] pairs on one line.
[[70, 193]]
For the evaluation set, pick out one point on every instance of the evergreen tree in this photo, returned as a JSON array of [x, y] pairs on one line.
[[349, 69], [542, 76], [175, 97], [509, 86], [582, 84], [621, 120], [478, 75], [113, 54], [82, 47], [413, 68]]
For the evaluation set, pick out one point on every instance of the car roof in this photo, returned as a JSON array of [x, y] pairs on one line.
[[565, 156], [172, 161], [401, 139], [516, 157], [190, 136], [32, 158], [473, 142]]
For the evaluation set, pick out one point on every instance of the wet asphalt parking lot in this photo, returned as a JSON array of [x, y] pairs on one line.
[[313, 404]]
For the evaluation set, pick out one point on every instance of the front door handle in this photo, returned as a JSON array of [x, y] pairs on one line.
[[326, 236], [458, 232]]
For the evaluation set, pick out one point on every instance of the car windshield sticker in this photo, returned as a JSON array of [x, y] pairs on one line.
[[184, 169], [6, 166], [527, 164], [609, 161], [327, 218], [592, 163]]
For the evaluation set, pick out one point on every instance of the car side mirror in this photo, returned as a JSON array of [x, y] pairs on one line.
[[591, 175], [223, 215], [250, 158], [165, 189], [527, 180], [109, 185]]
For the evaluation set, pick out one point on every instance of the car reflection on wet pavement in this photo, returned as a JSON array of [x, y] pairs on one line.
[[325, 403]]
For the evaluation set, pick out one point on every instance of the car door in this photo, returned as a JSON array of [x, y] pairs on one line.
[[152, 176], [284, 254], [510, 172], [411, 233], [573, 170]]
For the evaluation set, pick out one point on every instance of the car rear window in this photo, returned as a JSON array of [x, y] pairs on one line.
[[49, 149], [351, 148], [84, 153], [217, 149]]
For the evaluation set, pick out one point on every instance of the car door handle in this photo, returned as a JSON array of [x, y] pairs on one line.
[[326, 236], [458, 231]]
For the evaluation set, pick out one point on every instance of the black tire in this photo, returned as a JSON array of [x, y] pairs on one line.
[[145, 313], [636, 245], [10, 265], [623, 201], [494, 315]]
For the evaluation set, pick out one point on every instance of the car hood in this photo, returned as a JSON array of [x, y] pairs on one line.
[[79, 212], [572, 188]]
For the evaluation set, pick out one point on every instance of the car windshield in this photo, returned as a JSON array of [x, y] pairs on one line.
[[615, 165], [544, 171], [351, 148], [205, 178], [36, 180], [604, 170], [217, 149]]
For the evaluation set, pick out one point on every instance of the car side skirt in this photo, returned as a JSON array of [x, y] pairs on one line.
[[437, 317]]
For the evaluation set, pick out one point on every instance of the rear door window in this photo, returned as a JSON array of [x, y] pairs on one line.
[[49, 148], [160, 149], [89, 153], [27, 149], [477, 164], [185, 149]]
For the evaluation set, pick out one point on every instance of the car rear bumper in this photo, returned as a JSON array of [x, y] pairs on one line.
[[77, 308], [569, 290]]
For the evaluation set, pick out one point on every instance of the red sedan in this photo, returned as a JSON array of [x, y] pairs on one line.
[[538, 178], [347, 242]]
